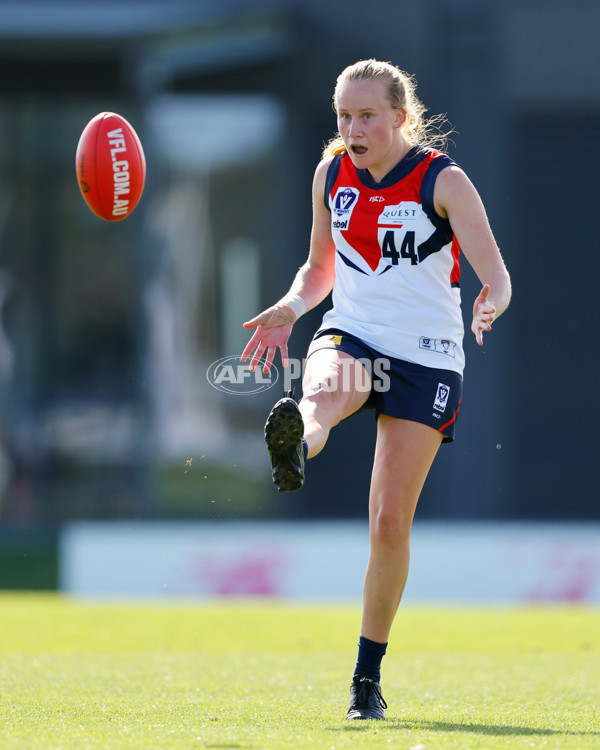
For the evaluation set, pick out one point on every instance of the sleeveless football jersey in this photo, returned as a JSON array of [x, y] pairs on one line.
[[397, 262]]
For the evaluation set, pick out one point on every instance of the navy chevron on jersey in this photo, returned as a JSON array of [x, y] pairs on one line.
[[397, 261]]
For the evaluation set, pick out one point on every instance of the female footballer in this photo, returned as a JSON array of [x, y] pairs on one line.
[[391, 216]]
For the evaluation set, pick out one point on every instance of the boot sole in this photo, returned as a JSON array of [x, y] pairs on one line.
[[283, 431]]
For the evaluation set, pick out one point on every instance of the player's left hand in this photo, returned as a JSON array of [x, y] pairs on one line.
[[484, 313]]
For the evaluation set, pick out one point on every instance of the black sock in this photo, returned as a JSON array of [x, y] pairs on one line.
[[370, 654]]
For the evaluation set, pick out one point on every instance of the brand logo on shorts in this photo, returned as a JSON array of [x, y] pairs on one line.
[[441, 397]]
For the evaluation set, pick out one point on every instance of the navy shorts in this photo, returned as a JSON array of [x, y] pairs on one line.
[[400, 388]]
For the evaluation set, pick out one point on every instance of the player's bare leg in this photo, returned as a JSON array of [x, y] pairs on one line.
[[403, 456], [335, 385]]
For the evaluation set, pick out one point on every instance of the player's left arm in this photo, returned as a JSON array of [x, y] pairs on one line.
[[456, 199]]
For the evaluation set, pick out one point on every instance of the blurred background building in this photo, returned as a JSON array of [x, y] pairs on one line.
[[107, 330]]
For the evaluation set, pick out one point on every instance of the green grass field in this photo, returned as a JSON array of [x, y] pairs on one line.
[[254, 675]]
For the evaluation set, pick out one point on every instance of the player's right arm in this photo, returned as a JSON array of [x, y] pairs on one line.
[[311, 285]]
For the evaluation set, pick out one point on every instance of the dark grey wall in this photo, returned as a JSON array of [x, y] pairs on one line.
[[520, 82]]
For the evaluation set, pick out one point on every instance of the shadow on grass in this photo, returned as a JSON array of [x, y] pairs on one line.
[[446, 726]]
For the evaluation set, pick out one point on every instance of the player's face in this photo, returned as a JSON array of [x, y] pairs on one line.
[[370, 127]]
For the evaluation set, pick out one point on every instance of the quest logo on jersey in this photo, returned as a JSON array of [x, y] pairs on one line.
[[344, 202], [399, 214]]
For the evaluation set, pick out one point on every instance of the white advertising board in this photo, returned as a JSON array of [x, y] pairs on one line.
[[450, 562]]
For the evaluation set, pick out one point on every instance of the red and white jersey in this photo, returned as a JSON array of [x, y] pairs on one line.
[[396, 265]]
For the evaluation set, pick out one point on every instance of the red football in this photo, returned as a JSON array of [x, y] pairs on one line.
[[111, 166]]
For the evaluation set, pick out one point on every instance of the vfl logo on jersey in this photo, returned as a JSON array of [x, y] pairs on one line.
[[441, 397], [344, 202]]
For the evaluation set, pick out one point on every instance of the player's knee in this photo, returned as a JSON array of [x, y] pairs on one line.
[[390, 525], [324, 398]]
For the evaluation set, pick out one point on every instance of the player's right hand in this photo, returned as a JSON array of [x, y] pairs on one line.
[[273, 329]]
